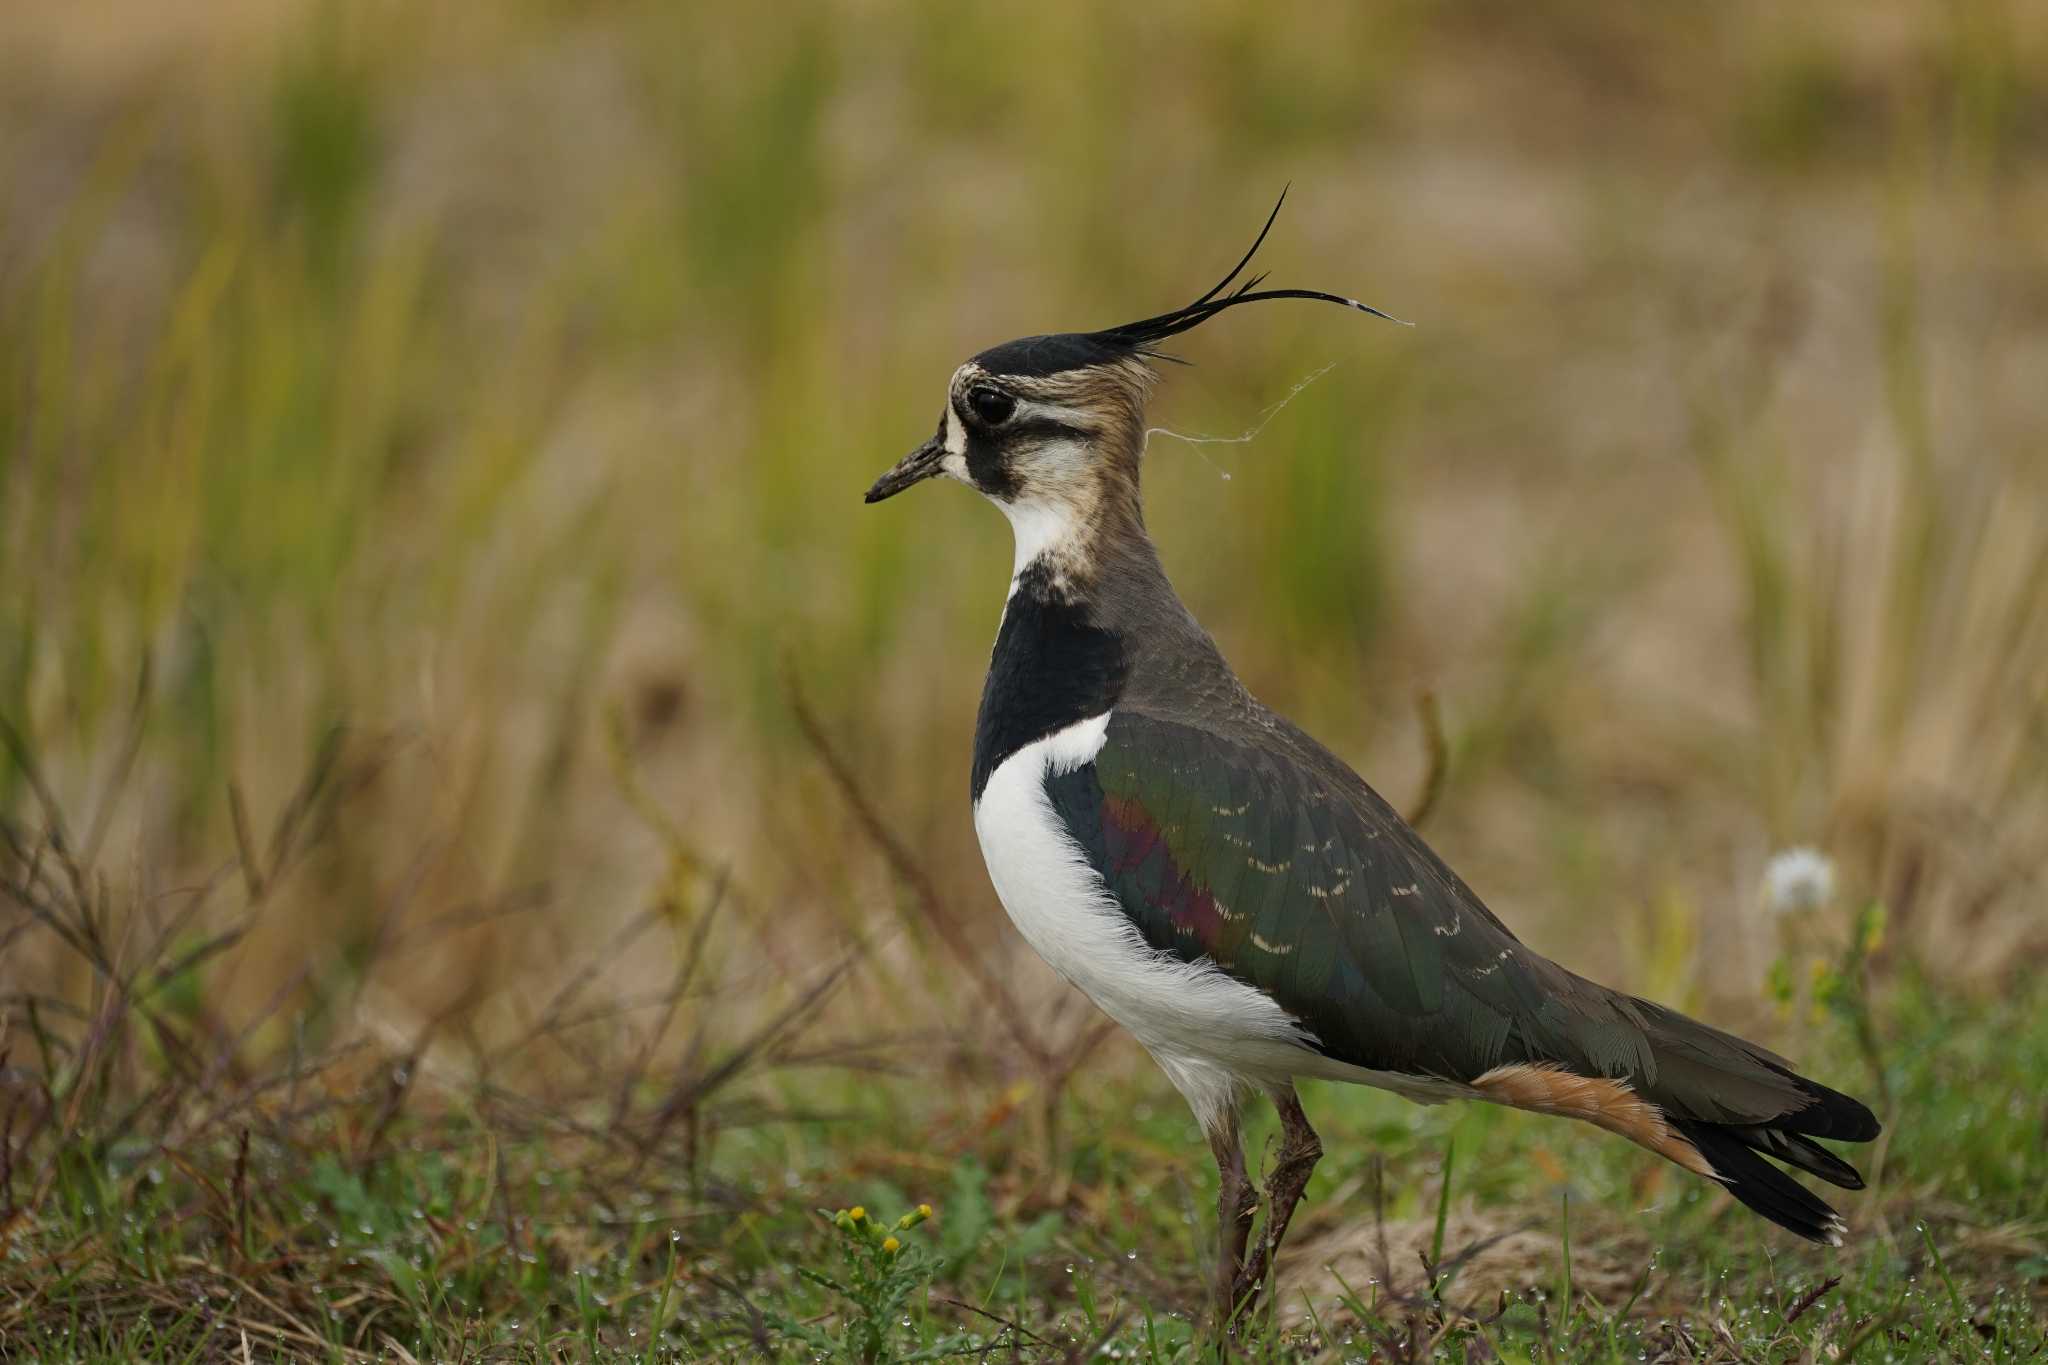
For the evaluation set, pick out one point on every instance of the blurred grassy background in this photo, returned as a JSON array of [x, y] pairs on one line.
[[499, 382], [431, 441]]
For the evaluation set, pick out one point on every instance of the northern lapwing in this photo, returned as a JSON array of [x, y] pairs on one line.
[[1230, 891]]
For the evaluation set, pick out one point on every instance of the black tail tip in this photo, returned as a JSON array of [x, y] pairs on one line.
[[1762, 1187]]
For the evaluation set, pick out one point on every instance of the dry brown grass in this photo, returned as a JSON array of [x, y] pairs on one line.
[[1706, 497]]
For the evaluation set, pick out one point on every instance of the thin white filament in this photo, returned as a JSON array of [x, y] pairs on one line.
[[1243, 438]]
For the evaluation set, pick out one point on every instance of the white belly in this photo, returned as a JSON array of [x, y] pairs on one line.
[[1211, 1034]]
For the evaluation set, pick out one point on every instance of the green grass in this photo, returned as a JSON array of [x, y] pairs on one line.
[[462, 1232]]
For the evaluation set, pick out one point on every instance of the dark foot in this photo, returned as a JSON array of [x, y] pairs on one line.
[[1236, 1203], [1300, 1149]]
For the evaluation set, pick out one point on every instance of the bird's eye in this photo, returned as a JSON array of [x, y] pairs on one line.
[[992, 406]]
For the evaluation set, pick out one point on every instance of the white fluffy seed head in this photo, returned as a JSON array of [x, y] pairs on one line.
[[1797, 880]]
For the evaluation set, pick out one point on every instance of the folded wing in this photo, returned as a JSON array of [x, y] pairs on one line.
[[1265, 855]]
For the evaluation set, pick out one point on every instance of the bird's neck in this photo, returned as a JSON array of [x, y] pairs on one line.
[[1054, 665], [1091, 620], [1070, 532]]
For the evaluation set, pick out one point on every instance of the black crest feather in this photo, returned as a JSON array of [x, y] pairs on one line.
[[1143, 334], [1043, 355]]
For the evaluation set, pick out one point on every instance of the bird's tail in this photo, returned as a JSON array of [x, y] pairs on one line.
[[1732, 1151], [1710, 1102], [1737, 1104]]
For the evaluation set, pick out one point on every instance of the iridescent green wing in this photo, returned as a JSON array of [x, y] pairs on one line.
[[1286, 871]]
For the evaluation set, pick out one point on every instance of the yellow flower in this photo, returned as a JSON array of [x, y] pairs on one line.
[[856, 1213], [924, 1210], [891, 1245]]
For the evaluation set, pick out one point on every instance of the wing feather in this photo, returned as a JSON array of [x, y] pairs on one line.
[[1264, 860]]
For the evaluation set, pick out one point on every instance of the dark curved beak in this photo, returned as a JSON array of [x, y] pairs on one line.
[[917, 466]]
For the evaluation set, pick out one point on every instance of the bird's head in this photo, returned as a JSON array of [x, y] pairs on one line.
[[1051, 428]]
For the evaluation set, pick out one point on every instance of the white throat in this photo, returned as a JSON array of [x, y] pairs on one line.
[[1041, 527]]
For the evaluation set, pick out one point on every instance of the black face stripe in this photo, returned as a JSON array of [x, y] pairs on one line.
[[990, 450], [1052, 667], [988, 466]]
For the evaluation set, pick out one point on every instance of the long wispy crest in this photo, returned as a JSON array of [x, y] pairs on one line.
[[1144, 334]]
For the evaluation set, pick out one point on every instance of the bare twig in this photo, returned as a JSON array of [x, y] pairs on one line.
[[554, 1016], [239, 1187], [196, 899], [7, 1145], [1080, 1351], [519, 901], [909, 871], [757, 1322], [694, 1089], [1810, 1298], [245, 843], [117, 779], [686, 971], [59, 837], [219, 943], [284, 838], [1013, 1327], [1439, 749]]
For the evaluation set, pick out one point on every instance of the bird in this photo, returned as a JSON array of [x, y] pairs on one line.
[[1231, 892]]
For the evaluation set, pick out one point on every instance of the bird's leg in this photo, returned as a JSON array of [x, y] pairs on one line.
[[1300, 1149], [1236, 1202]]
